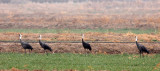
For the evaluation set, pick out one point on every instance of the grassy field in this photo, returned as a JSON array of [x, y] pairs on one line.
[[66, 61], [136, 31]]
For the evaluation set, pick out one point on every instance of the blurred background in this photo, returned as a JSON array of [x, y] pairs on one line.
[[66, 20], [80, 14]]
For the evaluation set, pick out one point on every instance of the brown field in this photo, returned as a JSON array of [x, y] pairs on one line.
[[82, 21], [107, 48], [86, 15]]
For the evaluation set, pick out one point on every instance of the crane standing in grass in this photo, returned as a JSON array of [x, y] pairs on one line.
[[25, 45], [86, 45], [142, 49], [43, 45]]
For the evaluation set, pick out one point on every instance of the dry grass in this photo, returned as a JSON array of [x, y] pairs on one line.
[[80, 15], [82, 21], [89, 36]]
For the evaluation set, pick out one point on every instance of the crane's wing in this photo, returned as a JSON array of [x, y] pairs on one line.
[[47, 47], [87, 45], [144, 49], [26, 45]]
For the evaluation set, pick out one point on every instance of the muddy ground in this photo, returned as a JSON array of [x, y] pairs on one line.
[[106, 48], [101, 15]]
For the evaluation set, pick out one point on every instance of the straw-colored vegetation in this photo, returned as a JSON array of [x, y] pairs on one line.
[[89, 36]]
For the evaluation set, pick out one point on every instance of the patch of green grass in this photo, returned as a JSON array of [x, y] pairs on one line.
[[154, 40], [136, 31], [65, 61]]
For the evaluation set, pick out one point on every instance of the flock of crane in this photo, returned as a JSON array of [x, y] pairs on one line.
[[142, 49]]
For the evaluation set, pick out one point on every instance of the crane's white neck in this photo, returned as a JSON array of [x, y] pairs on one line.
[[20, 36], [136, 38], [82, 36], [40, 37]]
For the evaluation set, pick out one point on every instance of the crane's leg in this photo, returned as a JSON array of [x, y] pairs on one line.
[[142, 54], [25, 51], [47, 53], [44, 51], [85, 52], [90, 52], [30, 51], [52, 52]]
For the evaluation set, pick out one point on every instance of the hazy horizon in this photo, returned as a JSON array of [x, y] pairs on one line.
[[107, 7]]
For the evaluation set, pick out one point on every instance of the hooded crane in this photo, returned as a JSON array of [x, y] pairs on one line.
[[43, 45], [142, 49], [86, 45], [25, 45]]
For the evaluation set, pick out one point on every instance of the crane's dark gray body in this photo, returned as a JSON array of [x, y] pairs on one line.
[[45, 46], [141, 48], [86, 45], [26, 45]]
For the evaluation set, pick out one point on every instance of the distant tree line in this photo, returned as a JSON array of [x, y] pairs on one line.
[[5, 1], [44, 1], [61, 1], [50, 1]]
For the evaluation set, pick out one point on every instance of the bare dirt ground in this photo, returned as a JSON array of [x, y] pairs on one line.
[[85, 15], [107, 48]]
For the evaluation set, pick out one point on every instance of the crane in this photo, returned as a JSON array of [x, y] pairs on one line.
[[142, 49], [44, 45], [86, 45], [25, 45]]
